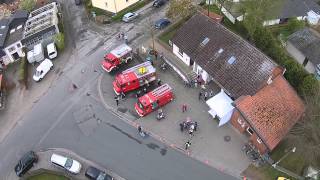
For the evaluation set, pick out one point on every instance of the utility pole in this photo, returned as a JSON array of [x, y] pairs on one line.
[[208, 6]]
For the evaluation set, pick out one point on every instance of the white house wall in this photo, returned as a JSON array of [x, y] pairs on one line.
[[199, 71], [14, 49], [271, 22], [184, 57], [228, 15]]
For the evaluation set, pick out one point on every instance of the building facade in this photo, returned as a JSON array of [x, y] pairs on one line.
[[113, 6]]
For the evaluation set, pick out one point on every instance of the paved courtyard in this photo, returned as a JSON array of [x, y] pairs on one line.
[[219, 147]]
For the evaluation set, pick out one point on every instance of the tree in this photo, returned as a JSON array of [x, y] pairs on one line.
[[305, 135], [309, 85], [294, 25], [180, 9], [27, 5], [59, 40], [255, 12]]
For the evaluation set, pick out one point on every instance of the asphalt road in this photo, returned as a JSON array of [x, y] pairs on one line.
[[75, 119]]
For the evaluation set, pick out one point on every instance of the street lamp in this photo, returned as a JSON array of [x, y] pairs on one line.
[[292, 150]]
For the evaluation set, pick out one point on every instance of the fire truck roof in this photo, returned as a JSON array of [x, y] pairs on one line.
[[150, 97], [121, 50], [141, 70]]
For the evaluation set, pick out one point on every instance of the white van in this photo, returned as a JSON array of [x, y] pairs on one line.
[[70, 165], [42, 69], [52, 50]]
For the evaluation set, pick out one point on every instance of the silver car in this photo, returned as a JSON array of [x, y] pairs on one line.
[[129, 16]]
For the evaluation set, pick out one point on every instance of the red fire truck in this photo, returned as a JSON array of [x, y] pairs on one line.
[[154, 99], [134, 77], [120, 55]]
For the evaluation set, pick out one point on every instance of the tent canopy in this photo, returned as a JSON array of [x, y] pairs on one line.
[[221, 106]]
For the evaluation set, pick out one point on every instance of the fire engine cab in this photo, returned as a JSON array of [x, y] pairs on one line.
[[134, 77], [120, 55], [154, 99]]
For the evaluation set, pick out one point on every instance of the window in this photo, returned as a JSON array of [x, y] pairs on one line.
[[18, 45], [180, 52], [11, 49], [305, 62], [2, 27], [240, 121], [249, 130], [259, 140]]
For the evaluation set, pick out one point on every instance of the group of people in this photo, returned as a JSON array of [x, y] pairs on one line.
[[121, 36], [205, 95], [191, 126]]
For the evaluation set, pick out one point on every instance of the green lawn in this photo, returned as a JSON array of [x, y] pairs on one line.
[[47, 176]]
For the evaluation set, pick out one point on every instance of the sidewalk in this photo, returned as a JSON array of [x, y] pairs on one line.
[[217, 147], [44, 165]]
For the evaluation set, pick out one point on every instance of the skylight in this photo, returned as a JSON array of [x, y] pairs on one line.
[[231, 60], [205, 41], [220, 51]]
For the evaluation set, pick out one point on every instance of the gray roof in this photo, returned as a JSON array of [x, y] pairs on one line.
[[308, 42], [17, 19], [4, 28], [296, 8], [239, 67]]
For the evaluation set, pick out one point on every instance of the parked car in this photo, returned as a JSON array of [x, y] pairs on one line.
[[77, 2], [158, 3], [129, 16], [25, 163], [161, 23], [68, 164], [96, 174], [52, 51], [42, 69]]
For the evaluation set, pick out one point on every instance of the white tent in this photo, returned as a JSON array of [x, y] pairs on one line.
[[221, 106]]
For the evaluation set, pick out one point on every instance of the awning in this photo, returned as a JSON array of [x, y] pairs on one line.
[[221, 106]]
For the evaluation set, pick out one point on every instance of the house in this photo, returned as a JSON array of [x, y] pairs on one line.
[[113, 6], [267, 117], [215, 53], [255, 98], [280, 12], [11, 30], [41, 26], [304, 47]]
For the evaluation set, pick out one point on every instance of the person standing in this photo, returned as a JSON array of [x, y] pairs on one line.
[[205, 96], [116, 98], [187, 145], [200, 95], [184, 108]]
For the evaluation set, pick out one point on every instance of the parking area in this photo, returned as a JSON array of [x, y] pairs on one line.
[[219, 147]]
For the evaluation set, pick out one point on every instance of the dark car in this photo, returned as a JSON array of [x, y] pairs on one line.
[[96, 174], [25, 163], [158, 3], [161, 23], [77, 2]]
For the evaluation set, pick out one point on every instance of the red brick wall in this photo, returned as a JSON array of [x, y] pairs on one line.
[[242, 129], [260, 146], [235, 123]]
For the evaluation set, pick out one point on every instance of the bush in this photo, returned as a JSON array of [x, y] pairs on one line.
[[309, 85], [22, 72], [59, 40], [27, 5], [294, 25]]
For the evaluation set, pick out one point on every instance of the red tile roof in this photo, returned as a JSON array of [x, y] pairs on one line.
[[272, 111]]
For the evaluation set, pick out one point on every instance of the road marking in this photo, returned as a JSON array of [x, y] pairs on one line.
[[55, 124]]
